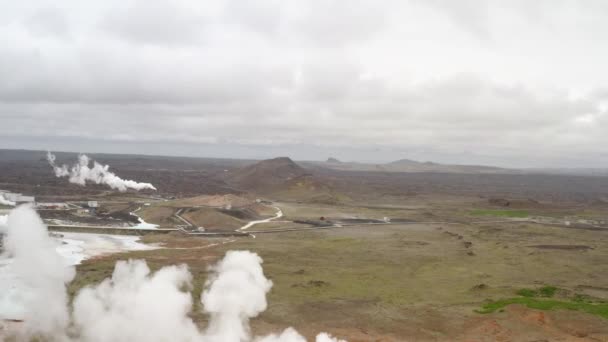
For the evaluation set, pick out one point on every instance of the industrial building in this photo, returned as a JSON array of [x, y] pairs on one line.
[[17, 197]]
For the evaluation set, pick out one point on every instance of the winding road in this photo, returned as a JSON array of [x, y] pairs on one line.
[[252, 223]]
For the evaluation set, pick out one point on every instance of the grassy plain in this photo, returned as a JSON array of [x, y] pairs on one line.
[[420, 280]]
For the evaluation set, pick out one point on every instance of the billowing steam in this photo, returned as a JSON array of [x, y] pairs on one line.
[[80, 173], [134, 305], [4, 201], [3, 221], [40, 273]]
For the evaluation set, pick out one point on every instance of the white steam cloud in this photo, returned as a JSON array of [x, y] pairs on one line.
[[4, 201], [234, 294], [134, 305], [3, 221], [80, 173], [41, 275]]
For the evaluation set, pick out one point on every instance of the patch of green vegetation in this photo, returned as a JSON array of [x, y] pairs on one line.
[[582, 298], [527, 293], [499, 213], [545, 291], [536, 299]]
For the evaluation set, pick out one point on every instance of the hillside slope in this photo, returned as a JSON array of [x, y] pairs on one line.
[[267, 174]]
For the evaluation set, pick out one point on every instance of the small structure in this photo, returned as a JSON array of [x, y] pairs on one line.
[[18, 198], [26, 199], [83, 211], [52, 205], [92, 207], [11, 196]]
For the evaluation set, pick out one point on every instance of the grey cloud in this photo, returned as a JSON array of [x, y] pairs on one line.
[[472, 15], [131, 79], [340, 22], [404, 77], [454, 105], [155, 22], [311, 23], [261, 17], [48, 21]]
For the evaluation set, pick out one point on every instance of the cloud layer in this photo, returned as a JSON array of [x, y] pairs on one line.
[[519, 82]]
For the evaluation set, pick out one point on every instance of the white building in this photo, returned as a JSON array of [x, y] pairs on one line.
[[26, 199], [11, 196], [18, 198]]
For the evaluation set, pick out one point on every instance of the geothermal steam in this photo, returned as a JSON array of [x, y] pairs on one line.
[[80, 173], [42, 275], [135, 304], [3, 220]]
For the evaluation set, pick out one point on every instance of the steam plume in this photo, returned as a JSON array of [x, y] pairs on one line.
[[3, 220], [235, 293], [4, 201], [80, 173], [134, 305], [38, 293]]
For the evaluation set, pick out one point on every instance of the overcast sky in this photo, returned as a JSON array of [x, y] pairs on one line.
[[508, 83]]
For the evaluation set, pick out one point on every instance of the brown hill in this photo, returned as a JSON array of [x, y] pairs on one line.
[[283, 179], [267, 175]]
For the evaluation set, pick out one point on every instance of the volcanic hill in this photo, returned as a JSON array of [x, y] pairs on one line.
[[268, 174]]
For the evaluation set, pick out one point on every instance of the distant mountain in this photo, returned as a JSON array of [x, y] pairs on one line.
[[267, 174], [403, 162], [332, 160], [409, 165]]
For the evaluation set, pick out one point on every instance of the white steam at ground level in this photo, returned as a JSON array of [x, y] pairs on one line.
[[43, 274], [3, 221], [80, 173], [134, 305]]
